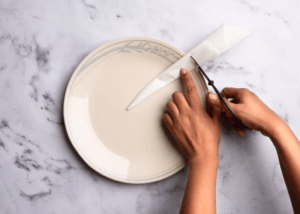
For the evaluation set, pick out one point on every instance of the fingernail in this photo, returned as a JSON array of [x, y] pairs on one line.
[[183, 71], [213, 97]]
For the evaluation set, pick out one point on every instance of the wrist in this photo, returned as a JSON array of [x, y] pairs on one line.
[[207, 163], [273, 126]]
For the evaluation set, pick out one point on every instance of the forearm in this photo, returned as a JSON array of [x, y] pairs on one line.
[[200, 193], [288, 149]]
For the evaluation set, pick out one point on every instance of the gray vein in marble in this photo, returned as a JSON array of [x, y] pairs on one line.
[[2, 66], [165, 33], [269, 14], [23, 50], [49, 101], [91, 9], [59, 122], [213, 66], [47, 181], [35, 196], [42, 57], [286, 118], [35, 17], [3, 145], [58, 166], [26, 162], [246, 3], [25, 139], [34, 94]]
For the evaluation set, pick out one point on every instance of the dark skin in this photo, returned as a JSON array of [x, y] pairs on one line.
[[198, 134]]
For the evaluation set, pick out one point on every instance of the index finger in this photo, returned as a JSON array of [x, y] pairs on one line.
[[231, 93], [191, 90]]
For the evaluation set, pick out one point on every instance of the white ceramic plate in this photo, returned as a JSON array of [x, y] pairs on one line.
[[127, 146]]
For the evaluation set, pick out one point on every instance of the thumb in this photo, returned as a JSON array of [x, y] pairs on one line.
[[214, 100], [213, 109]]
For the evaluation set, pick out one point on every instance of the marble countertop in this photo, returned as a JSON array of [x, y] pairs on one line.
[[41, 43]]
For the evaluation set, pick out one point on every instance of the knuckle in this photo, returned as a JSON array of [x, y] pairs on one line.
[[237, 110], [165, 120], [184, 112], [165, 117], [198, 110], [245, 90], [176, 94], [177, 127], [186, 77], [190, 89], [224, 89], [251, 92], [169, 104]]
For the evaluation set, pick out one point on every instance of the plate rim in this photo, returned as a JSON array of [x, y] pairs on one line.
[[68, 88]]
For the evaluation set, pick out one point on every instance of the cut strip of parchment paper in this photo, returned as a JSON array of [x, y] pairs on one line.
[[222, 39]]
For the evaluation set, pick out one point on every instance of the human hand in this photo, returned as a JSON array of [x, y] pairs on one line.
[[249, 108], [196, 131]]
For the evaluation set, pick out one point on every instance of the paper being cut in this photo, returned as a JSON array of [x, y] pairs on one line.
[[222, 39]]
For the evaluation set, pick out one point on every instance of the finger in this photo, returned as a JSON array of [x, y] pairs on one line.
[[214, 100], [240, 128], [172, 109], [191, 91], [180, 101], [168, 121], [240, 132], [264, 133], [213, 111], [228, 115], [231, 93]]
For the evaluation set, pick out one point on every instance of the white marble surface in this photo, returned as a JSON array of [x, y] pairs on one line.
[[41, 42]]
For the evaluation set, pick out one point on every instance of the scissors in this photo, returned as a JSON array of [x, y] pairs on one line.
[[211, 83]]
